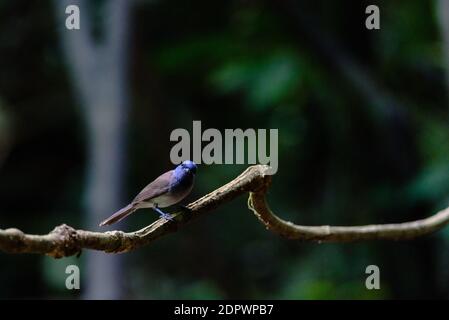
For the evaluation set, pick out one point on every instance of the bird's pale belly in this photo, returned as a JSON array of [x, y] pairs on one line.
[[165, 200]]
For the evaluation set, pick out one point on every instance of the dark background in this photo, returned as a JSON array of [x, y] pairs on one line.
[[363, 138]]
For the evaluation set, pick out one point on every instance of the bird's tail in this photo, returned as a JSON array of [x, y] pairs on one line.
[[119, 215]]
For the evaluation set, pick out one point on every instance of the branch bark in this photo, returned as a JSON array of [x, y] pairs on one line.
[[66, 241]]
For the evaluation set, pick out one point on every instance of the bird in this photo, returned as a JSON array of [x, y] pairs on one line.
[[166, 190]]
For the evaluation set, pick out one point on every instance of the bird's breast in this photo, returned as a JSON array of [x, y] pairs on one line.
[[165, 200], [176, 193]]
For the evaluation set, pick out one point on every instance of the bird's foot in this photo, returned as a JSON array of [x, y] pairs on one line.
[[164, 215], [167, 216]]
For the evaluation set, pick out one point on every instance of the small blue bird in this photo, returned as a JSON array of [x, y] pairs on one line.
[[167, 190]]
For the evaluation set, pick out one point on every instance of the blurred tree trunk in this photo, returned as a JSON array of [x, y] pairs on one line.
[[98, 69]]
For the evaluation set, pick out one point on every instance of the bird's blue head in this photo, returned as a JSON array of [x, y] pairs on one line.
[[188, 166]]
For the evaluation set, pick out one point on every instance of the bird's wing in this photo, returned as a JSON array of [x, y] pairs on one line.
[[156, 188]]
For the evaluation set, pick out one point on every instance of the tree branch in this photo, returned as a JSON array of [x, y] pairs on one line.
[[395, 231], [66, 241]]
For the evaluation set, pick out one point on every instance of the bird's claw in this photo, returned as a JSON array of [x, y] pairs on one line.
[[163, 215], [167, 216]]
